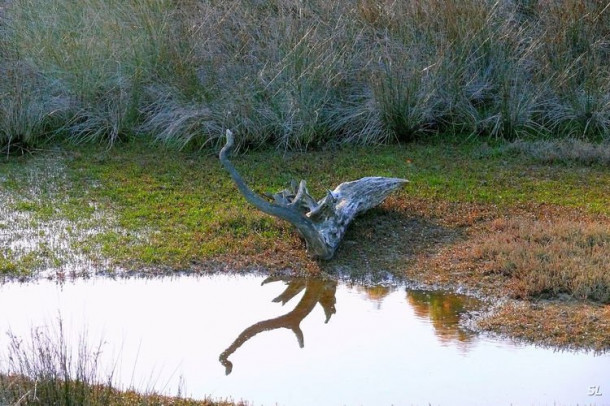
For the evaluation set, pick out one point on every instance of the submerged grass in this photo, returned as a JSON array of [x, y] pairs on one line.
[[45, 223], [302, 74]]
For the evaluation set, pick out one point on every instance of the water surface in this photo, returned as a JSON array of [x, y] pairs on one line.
[[300, 342]]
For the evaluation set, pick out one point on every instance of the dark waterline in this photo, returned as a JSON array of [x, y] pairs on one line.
[[300, 342]]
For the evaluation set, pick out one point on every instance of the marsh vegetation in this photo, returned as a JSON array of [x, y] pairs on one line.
[[508, 103], [491, 219], [302, 74], [49, 367]]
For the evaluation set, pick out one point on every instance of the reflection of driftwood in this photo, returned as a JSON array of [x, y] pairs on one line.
[[321, 223], [316, 291]]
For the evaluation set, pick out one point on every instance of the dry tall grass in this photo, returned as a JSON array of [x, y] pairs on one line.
[[299, 74], [47, 368]]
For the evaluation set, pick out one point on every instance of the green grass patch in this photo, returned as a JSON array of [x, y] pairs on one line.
[[18, 267], [178, 207], [174, 208]]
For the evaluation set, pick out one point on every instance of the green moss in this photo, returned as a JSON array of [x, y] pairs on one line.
[[7, 267], [16, 267]]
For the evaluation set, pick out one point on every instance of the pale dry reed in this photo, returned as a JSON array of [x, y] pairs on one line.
[[301, 74]]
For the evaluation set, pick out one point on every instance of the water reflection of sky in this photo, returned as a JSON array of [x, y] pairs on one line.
[[380, 345]]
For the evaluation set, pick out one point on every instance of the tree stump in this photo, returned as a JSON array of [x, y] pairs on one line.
[[321, 223]]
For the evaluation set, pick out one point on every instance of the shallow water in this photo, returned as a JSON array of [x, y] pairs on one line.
[[318, 343]]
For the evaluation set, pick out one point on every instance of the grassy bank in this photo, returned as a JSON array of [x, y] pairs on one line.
[[302, 74], [177, 209], [495, 220]]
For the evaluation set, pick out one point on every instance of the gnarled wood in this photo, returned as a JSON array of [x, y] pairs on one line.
[[321, 223]]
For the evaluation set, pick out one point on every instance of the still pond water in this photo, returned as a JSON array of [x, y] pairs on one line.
[[299, 342]]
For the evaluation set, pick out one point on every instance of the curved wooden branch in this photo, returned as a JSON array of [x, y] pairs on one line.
[[294, 217], [322, 224]]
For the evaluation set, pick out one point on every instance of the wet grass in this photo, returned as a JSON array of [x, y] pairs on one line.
[[177, 208], [46, 217], [185, 208]]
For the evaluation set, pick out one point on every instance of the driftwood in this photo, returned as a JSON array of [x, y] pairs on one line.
[[317, 291], [321, 223]]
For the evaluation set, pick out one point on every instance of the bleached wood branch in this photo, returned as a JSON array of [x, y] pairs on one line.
[[321, 223]]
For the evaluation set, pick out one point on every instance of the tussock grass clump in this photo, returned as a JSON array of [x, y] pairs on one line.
[[543, 258], [98, 53], [46, 370], [29, 106], [300, 74]]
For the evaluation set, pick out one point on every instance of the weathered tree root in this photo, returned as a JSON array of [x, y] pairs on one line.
[[321, 223]]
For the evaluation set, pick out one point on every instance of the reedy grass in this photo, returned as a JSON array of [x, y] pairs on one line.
[[48, 368], [97, 53], [298, 75]]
